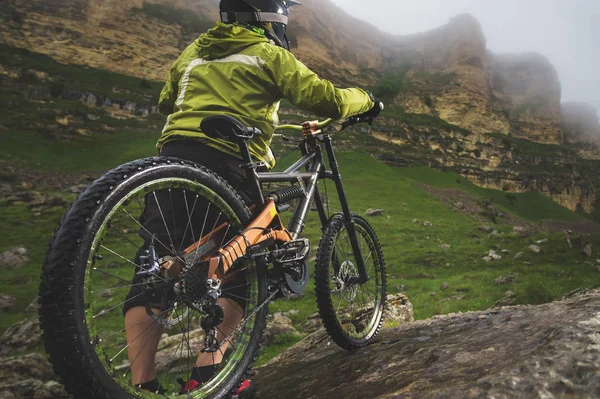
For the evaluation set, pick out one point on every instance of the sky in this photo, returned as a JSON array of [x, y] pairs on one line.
[[565, 31]]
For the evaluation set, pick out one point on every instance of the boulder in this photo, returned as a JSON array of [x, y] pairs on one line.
[[14, 258], [587, 250], [547, 351]]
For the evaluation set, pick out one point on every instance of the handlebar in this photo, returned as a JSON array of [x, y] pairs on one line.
[[299, 128], [321, 125]]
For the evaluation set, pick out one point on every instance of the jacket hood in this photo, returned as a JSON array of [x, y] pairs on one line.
[[227, 39]]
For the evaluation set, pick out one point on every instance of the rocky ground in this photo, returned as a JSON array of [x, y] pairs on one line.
[[546, 351]]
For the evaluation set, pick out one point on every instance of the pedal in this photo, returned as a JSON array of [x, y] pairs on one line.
[[294, 251]]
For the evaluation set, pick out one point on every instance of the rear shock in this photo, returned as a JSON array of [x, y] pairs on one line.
[[286, 195]]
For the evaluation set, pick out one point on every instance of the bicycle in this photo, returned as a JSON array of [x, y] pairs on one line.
[[223, 248]]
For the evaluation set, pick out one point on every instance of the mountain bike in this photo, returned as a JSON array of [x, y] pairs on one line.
[[224, 251]]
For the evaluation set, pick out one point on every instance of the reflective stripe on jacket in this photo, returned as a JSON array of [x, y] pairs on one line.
[[234, 71]]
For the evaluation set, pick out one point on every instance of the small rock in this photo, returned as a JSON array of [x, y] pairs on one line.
[[487, 258], [535, 249], [506, 280], [519, 255], [427, 224], [433, 293], [587, 250], [493, 255], [399, 310], [453, 298], [22, 335], [495, 234], [485, 229], [519, 229], [505, 251], [374, 212], [444, 286], [78, 188], [313, 323], [34, 306], [459, 205], [280, 324], [43, 202], [107, 293], [569, 242], [545, 240], [501, 280], [14, 258], [293, 312], [507, 300], [401, 288], [445, 246], [7, 302], [415, 221]]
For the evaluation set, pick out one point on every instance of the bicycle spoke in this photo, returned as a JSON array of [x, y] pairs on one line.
[[103, 312], [189, 213], [148, 232], [133, 325], [108, 274]]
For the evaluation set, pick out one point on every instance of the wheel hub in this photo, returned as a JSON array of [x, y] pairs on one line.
[[348, 274]]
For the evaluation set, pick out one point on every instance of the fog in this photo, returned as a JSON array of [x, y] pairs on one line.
[[565, 31]]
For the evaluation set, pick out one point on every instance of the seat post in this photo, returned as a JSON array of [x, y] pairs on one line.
[[251, 176]]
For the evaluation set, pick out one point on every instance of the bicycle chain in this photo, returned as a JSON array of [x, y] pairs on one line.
[[245, 320]]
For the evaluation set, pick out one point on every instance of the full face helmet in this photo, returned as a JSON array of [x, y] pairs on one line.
[[271, 15]]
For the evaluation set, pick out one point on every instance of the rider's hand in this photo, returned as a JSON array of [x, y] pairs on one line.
[[377, 108]]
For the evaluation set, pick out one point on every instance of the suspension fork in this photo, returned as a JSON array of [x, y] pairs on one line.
[[363, 277]]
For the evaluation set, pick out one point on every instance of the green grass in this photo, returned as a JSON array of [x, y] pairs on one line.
[[413, 253], [80, 155]]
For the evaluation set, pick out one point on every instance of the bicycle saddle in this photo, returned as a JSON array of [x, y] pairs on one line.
[[228, 128]]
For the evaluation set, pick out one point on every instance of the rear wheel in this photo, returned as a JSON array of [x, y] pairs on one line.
[[96, 270], [352, 313]]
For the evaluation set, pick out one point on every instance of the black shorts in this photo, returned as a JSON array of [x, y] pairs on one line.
[[226, 166]]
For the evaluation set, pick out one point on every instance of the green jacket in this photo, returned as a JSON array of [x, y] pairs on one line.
[[234, 71]]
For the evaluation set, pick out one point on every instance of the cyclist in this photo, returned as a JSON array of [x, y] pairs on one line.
[[242, 68]]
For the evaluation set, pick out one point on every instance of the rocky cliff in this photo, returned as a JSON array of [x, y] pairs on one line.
[[547, 351], [447, 72], [447, 75], [580, 123]]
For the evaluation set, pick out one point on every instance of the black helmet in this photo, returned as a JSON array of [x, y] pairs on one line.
[[275, 12]]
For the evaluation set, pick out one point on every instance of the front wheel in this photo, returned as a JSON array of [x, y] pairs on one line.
[[352, 313]]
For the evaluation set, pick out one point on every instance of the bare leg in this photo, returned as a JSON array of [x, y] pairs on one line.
[[233, 315], [143, 334]]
